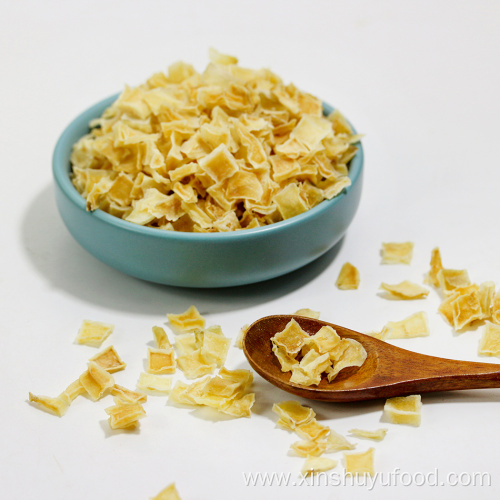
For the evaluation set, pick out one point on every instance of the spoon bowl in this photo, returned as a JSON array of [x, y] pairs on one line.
[[388, 371]]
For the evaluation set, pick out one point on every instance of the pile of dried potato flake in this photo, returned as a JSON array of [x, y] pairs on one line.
[[230, 148]]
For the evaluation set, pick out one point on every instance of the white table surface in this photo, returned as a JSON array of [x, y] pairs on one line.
[[420, 79]]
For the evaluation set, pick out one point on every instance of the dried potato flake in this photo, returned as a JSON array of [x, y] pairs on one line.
[[93, 333], [187, 321], [124, 415], [397, 253], [109, 360], [404, 410], [56, 406], [307, 313], [489, 344], [161, 361], [406, 290], [348, 278], [360, 463], [149, 382], [377, 435], [168, 493], [415, 325], [96, 381]]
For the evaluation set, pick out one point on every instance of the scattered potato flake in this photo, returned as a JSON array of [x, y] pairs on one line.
[[96, 381], [376, 335], [450, 279], [109, 360], [406, 290], [309, 448], [337, 442], [214, 346], [325, 340], [308, 313], [187, 321], [74, 390], [227, 392], [161, 338], [315, 465], [360, 463], [154, 383], [228, 149], [489, 344], [241, 335], [187, 343], [466, 309], [404, 410], [286, 361], [397, 253], [194, 365], [312, 430], [377, 435], [415, 325], [93, 333], [486, 293], [293, 413], [125, 415], [436, 265], [161, 361], [127, 395], [348, 278], [169, 493], [56, 406]]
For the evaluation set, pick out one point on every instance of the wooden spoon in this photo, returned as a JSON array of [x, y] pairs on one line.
[[387, 372]]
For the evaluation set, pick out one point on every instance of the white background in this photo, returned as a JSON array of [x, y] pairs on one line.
[[420, 79]]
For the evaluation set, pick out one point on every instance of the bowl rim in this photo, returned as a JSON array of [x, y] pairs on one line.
[[61, 168]]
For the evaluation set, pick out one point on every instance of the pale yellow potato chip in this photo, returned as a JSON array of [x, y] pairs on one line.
[[93, 333], [187, 321], [406, 290], [187, 343], [317, 465], [215, 346], [109, 360], [161, 361], [290, 202], [436, 265], [353, 356], [168, 493], [56, 406], [125, 415], [241, 335], [466, 309], [486, 293], [158, 384], [489, 344], [360, 463], [74, 390], [293, 413], [450, 279], [348, 278], [397, 253], [96, 381], [336, 442], [308, 313], [404, 410], [309, 448], [127, 395], [415, 325], [240, 407], [292, 338], [312, 430], [194, 365], [324, 340], [377, 435], [161, 338], [310, 368]]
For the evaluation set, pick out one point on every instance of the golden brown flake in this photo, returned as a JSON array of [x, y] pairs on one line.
[[348, 278]]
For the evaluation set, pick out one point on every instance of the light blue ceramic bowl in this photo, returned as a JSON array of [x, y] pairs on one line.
[[201, 260]]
